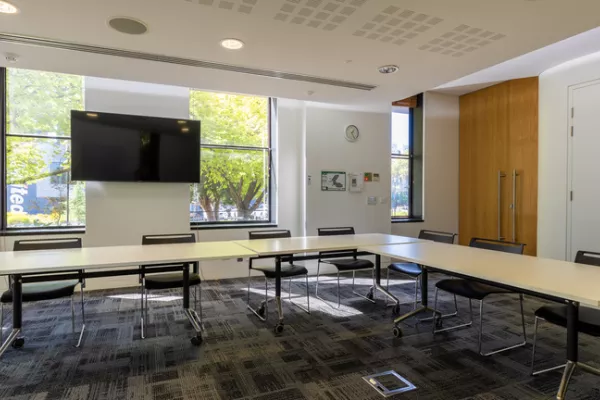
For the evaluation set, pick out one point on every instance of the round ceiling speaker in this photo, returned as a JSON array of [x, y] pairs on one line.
[[128, 25]]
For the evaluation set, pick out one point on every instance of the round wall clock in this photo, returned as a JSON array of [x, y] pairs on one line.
[[352, 133]]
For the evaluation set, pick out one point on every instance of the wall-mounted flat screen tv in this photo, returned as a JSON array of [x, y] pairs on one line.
[[130, 148]]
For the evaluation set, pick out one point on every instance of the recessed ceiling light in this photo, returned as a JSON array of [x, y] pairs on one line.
[[232, 44], [8, 8], [388, 69]]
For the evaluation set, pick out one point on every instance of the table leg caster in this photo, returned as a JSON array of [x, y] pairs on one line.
[[370, 295], [18, 343], [396, 309], [261, 310], [397, 332], [439, 322], [278, 328], [197, 340]]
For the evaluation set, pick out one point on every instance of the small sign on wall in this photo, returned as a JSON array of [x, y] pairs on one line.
[[333, 181]]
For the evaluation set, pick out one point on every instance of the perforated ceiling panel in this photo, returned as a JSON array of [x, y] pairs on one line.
[[397, 25], [243, 6], [462, 40], [322, 14]]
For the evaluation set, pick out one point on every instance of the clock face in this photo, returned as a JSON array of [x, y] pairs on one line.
[[352, 133]]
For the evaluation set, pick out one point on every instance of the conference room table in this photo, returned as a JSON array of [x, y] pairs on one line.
[[300, 249], [98, 262], [559, 281]]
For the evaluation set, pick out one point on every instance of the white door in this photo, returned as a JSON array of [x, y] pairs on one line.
[[585, 170]]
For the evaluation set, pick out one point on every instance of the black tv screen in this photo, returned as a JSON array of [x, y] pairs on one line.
[[130, 148]]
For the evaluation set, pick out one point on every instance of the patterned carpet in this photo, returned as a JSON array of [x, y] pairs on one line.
[[320, 356]]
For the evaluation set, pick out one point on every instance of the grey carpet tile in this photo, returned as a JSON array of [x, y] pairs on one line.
[[320, 356]]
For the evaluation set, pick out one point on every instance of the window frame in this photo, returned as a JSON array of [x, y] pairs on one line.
[[4, 228], [269, 150], [410, 157]]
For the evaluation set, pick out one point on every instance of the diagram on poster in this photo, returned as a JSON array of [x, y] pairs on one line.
[[333, 181]]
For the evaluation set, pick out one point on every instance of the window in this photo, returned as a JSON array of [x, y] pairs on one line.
[[39, 192], [401, 163], [235, 159]]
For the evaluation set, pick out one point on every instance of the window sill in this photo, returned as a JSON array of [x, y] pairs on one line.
[[232, 226], [406, 220], [37, 231]]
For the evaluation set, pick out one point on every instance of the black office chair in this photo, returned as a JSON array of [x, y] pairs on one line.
[[161, 281], [351, 263], [287, 271], [46, 290], [589, 318], [479, 291], [413, 270]]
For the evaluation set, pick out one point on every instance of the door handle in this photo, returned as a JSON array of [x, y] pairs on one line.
[[513, 206], [500, 176]]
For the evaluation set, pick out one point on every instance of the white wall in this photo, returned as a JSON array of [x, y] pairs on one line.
[[328, 149], [553, 150], [440, 170]]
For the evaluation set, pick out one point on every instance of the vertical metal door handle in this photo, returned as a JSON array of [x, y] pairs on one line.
[[500, 176], [513, 206]]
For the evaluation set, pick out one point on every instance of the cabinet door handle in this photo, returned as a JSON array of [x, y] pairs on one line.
[[500, 176], [513, 206]]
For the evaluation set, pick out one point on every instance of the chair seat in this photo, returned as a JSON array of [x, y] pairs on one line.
[[287, 271], [43, 291], [350, 264], [469, 289], [411, 269], [169, 281], [589, 318]]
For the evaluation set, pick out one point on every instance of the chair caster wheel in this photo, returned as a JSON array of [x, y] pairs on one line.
[[396, 309], [369, 295], [18, 343], [397, 332], [278, 328], [196, 340], [261, 311]]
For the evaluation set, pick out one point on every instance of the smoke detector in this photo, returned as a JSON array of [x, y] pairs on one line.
[[388, 69], [128, 25]]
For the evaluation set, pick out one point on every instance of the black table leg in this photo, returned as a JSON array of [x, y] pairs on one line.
[[17, 301], [572, 347], [378, 283], [279, 327], [424, 305]]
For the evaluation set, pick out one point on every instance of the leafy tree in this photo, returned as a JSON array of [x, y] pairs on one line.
[[232, 176]]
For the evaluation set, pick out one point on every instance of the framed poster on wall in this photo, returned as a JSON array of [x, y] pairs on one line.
[[333, 181]]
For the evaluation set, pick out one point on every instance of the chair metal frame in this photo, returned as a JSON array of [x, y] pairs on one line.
[[582, 257], [490, 244], [342, 253], [263, 309], [52, 244], [435, 236], [166, 239]]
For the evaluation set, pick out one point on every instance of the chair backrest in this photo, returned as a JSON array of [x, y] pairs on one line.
[[169, 238], [588, 257], [47, 244], [335, 231], [437, 236], [497, 245], [272, 234]]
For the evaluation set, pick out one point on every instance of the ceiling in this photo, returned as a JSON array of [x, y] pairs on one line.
[[433, 41], [530, 64]]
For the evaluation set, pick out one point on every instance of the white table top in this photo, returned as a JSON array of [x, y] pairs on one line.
[[310, 244], [566, 280], [91, 258]]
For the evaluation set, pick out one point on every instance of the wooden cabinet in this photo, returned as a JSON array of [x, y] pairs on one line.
[[498, 163]]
